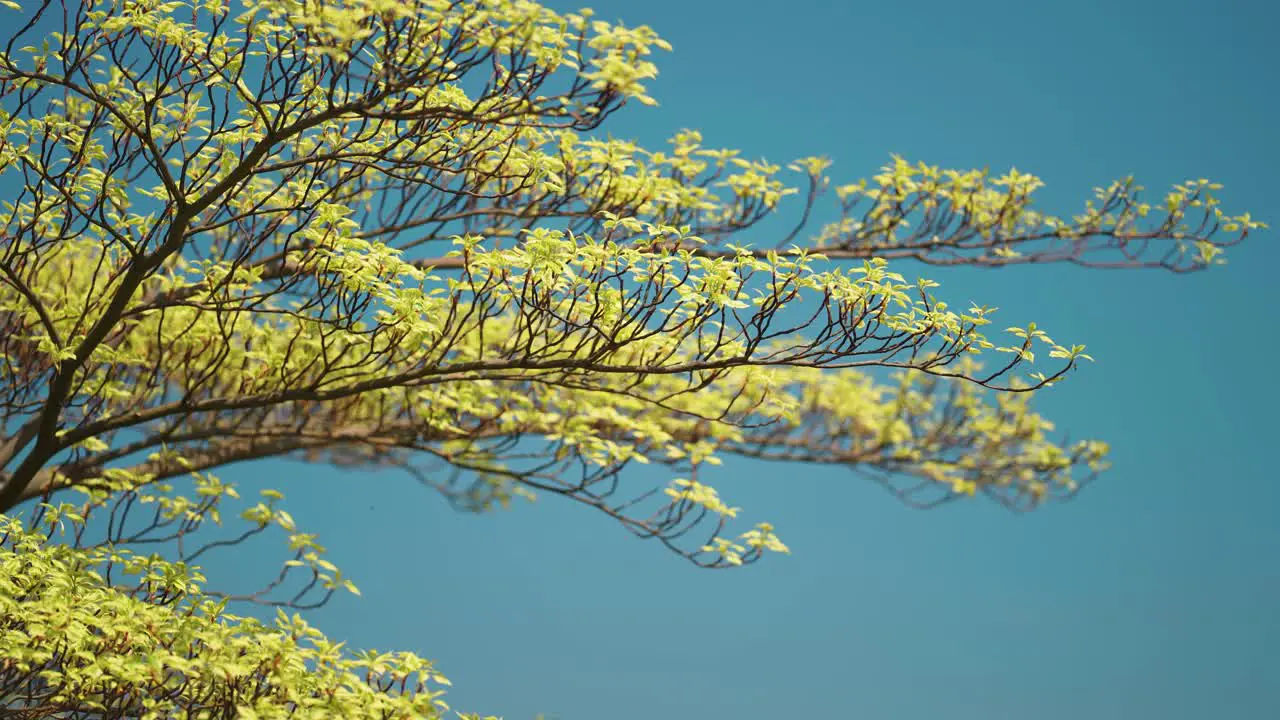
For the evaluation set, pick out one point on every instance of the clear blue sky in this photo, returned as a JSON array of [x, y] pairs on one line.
[[1154, 595]]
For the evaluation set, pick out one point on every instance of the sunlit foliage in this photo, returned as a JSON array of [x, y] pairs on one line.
[[381, 233]]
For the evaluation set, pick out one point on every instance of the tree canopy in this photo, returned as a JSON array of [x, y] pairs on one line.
[[388, 235]]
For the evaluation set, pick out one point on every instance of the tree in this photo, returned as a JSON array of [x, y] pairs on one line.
[[373, 233]]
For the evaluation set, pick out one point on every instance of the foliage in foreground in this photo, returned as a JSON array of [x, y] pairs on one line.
[[74, 645], [212, 260]]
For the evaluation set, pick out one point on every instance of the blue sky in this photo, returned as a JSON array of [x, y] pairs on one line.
[[1154, 594]]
